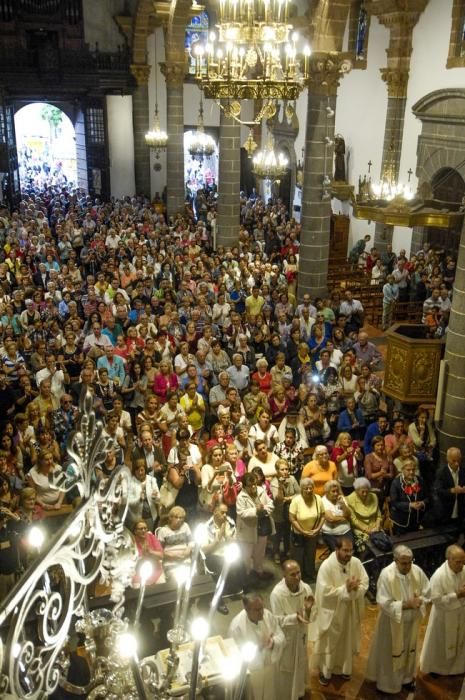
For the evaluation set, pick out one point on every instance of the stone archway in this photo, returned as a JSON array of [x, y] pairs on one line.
[[441, 149], [441, 143]]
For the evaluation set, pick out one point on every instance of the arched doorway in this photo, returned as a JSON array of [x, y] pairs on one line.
[[200, 173], [448, 188], [46, 145]]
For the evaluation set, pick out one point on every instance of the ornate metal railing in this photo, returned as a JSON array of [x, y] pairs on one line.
[[36, 616]]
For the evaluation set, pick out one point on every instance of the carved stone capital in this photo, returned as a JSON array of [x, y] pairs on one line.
[[141, 72], [391, 12], [326, 70], [174, 73], [396, 81]]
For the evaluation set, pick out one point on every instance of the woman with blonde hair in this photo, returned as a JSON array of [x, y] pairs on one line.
[[306, 513], [365, 516]]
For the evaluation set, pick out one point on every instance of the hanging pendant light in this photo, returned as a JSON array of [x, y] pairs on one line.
[[269, 165], [156, 138], [201, 145]]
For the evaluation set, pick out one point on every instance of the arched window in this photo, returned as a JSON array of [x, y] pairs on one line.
[[196, 31], [359, 24], [362, 27]]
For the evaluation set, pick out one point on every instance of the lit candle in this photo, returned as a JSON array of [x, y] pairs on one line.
[[145, 573], [199, 539], [248, 652], [232, 553], [181, 574], [199, 631], [126, 645]]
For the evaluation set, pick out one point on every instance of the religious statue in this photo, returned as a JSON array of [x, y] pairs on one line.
[[339, 159]]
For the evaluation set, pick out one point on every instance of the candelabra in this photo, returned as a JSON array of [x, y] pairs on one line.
[[254, 55], [46, 606]]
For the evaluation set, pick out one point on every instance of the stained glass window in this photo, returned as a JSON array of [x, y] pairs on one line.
[[196, 31], [362, 26]]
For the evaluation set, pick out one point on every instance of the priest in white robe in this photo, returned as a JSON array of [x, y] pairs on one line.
[[339, 598], [260, 626], [292, 601], [443, 649], [403, 590]]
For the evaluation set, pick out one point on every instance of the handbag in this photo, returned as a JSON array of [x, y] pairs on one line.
[[264, 525], [168, 494], [381, 541], [297, 539]]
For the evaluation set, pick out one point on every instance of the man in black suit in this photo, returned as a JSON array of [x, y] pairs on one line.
[[449, 490], [42, 277]]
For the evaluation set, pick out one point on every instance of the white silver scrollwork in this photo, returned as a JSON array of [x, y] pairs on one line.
[[35, 617]]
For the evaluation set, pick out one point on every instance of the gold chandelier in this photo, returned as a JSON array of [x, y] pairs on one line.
[[254, 54], [269, 165], [388, 188], [201, 144], [156, 138]]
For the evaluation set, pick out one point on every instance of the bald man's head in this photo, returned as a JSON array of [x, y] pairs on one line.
[[292, 575], [454, 457], [455, 558]]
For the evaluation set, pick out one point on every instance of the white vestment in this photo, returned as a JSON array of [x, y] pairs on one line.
[[393, 651], [293, 665], [444, 646], [262, 681], [339, 613]]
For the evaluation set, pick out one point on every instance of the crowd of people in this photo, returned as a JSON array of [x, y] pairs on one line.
[[232, 402]]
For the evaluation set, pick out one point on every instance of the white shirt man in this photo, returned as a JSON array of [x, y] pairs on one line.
[[239, 373], [56, 376], [260, 626], [339, 596], [292, 600], [403, 590], [443, 649]]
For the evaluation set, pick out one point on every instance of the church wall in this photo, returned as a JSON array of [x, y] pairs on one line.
[[362, 104], [360, 118], [99, 25], [428, 72], [121, 144]]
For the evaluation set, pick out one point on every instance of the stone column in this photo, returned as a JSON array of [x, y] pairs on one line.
[[452, 422], [140, 112], [229, 175], [419, 237], [174, 76], [400, 23], [397, 82], [325, 72]]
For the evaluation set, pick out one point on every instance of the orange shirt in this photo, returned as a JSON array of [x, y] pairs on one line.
[[320, 476]]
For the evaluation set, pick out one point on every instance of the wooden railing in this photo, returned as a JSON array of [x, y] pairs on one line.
[[343, 275]]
